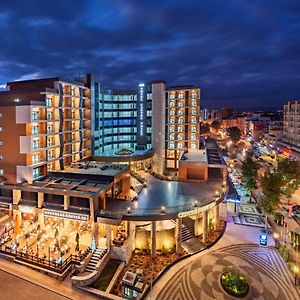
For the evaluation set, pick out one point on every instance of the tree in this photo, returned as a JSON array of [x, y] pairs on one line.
[[215, 124], [290, 173], [249, 171], [271, 184], [234, 133], [204, 128]]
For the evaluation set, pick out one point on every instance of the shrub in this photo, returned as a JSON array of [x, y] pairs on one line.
[[234, 284]]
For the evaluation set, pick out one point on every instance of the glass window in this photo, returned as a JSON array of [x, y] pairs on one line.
[[48, 102], [49, 128], [180, 137], [193, 120], [35, 158], [180, 120], [35, 130], [35, 144], [180, 128], [172, 121], [194, 103], [1, 157], [171, 145], [171, 96], [1, 172], [193, 137], [49, 115], [171, 129], [180, 96], [36, 172], [35, 115], [194, 95], [179, 145], [172, 112], [193, 145], [171, 137]]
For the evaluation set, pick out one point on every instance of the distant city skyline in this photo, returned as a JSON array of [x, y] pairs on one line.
[[241, 53]]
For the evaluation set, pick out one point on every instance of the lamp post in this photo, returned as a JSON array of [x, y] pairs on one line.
[[276, 236], [296, 270]]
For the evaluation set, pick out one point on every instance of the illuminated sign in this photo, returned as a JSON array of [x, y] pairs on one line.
[[142, 115], [66, 215], [26, 209], [196, 211], [5, 205]]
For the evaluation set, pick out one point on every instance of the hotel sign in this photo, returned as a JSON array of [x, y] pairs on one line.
[[5, 206], [66, 215], [196, 210], [142, 115]]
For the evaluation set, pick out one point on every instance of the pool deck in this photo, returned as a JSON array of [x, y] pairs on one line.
[[174, 196]]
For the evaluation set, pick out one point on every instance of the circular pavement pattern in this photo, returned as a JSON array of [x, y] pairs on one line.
[[264, 269]]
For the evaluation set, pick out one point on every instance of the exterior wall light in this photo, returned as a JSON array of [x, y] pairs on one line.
[[163, 209]]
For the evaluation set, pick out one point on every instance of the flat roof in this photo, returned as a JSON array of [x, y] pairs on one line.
[[95, 168], [196, 156]]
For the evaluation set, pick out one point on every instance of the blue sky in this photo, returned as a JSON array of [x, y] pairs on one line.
[[242, 53]]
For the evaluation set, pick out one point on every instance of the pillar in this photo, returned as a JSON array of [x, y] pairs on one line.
[[178, 235], [216, 214], [204, 225], [95, 232], [153, 239], [66, 202], [40, 200], [108, 236], [92, 210], [16, 196]]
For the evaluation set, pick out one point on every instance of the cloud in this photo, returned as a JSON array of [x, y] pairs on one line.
[[238, 52]]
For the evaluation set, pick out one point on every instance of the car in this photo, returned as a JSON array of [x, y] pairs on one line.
[[263, 237]]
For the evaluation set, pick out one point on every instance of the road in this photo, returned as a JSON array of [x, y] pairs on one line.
[[13, 287]]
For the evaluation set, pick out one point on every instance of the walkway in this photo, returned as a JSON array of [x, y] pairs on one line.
[[197, 277], [13, 287]]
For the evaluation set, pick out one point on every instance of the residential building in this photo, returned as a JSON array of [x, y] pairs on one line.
[[291, 125]]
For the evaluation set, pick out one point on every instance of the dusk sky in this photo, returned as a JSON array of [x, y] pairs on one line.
[[244, 53]]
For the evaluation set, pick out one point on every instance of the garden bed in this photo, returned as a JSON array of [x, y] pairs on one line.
[[143, 263], [234, 284], [106, 275]]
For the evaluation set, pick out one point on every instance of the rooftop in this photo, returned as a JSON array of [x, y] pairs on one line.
[[174, 196]]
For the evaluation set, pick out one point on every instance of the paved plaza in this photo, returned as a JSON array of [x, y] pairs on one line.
[[197, 277], [266, 272]]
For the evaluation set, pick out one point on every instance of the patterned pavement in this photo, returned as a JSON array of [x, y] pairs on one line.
[[267, 273]]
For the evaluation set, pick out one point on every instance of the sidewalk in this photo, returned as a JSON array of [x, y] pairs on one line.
[[62, 288]]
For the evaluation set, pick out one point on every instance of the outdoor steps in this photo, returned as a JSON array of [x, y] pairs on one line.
[[96, 257], [187, 232], [189, 224]]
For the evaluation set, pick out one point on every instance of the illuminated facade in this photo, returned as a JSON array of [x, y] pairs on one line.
[[119, 120], [182, 122], [46, 125], [291, 124]]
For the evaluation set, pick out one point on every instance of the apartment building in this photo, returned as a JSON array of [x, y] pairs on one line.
[[45, 126], [182, 122], [291, 125]]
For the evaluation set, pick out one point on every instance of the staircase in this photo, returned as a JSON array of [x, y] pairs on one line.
[[188, 228], [96, 257]]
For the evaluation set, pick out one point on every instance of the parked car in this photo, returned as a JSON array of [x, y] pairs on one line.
[[263, 237]]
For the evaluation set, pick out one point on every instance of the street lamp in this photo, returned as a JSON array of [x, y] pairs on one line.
[[296, 270], [276, 236]]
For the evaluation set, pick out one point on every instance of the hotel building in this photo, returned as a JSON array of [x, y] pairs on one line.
[[45, 126], [68, 185], [182, 122]]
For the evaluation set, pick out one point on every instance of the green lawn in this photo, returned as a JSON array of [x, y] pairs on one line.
[[106, 275]]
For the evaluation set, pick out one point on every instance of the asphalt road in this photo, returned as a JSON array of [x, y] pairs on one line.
[[15, 288]]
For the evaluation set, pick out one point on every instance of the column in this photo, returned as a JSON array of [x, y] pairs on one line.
[[66, 202], [216, 214], [153, 239], [92, 210], [178, 235], [16, 196], [40, 200], [204, 225], [95, 230], [108, 236]]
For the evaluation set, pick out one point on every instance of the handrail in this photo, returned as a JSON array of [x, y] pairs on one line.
[[132, 211]]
